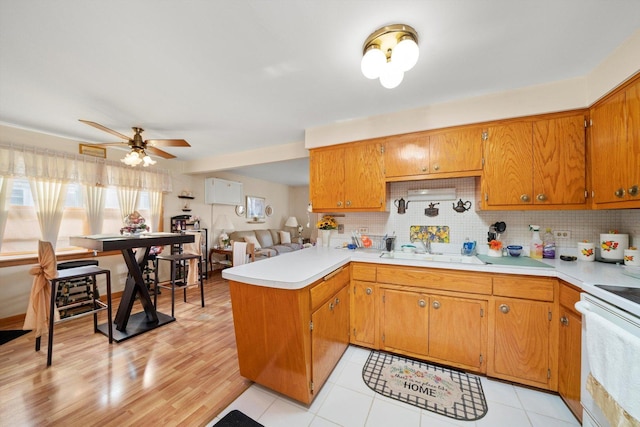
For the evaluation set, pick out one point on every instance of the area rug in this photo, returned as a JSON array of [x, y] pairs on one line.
[[6, 336], [236, 418], [444, 391]]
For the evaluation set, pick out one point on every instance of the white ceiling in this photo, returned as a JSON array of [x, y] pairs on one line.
[[238, 75]]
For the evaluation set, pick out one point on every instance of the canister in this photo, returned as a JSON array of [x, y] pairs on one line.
[[612, 246], [586, 251]]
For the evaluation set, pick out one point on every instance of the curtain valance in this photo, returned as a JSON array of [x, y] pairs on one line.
[[23, 161]]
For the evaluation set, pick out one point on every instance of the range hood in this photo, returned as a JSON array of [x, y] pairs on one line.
[[426, 195]]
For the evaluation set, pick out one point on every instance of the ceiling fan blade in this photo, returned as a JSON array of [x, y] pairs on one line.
[[159, 152], [167, 143], [101, 144], [106, 129]]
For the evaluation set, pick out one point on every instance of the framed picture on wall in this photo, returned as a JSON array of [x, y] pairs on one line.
[[255, 207]]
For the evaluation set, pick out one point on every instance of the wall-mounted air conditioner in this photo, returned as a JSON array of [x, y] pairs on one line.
[[222, 192]]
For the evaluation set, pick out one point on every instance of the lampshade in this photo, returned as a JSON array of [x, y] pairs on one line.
[[291, 222], [137, 156], [388, 52], [223, 223]]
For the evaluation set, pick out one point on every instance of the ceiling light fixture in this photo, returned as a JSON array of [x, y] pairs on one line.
[[388, 52], [137, 156]]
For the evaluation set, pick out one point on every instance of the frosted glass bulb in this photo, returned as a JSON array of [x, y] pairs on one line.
[[391, 76], [148, 161], [373, 63], [405, 54]]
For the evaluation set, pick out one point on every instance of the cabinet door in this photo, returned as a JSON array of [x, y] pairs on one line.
[[456, 151], [633, 141], [364, 185], [405, 321], [406, 155], [326, 178], [457, 331], [609, 154], [363, 320], [521, 341], [508, 165], [569, 360], [330, 336], [559, 170]]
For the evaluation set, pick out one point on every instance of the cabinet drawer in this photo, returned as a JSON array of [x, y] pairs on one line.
[[365, 272], [446, 280], [533, 288], [328, 286], [569, 295]]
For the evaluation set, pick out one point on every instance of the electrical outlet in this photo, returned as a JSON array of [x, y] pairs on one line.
[[562, 234], [363, 229]]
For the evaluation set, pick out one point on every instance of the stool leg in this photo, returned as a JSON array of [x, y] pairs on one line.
[[109, 313], [201, 286], [51, 316], [155, 284], [37, 343], [173, 288], [184, 279], [95, 306]]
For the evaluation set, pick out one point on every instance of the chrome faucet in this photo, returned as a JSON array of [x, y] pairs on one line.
[[426, 244]]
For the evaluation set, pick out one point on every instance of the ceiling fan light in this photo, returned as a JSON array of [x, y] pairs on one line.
[[406, 53], [147, 161], [132, 159], [373, 62], [391, 76]]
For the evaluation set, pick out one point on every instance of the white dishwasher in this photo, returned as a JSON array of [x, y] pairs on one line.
[[613, 317]]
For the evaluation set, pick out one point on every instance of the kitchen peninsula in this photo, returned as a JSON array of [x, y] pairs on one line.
[[295, 314]]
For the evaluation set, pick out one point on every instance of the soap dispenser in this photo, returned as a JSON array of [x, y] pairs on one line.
[[535, 249]]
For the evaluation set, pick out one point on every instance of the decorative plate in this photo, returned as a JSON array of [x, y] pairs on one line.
[[268, 211], [240, 210]]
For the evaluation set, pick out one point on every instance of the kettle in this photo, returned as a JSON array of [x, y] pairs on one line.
[[401, 205]]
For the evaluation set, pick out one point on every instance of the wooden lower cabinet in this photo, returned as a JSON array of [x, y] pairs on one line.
[[405, 317], [570, 348], [363, 313], [290, 340], [523, 340]]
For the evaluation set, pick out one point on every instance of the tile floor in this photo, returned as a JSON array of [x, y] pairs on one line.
[[346, 401]]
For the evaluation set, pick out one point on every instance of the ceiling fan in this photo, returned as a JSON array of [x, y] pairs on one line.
[[139, 147]]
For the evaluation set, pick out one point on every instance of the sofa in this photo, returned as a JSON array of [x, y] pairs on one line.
[[268, 242]]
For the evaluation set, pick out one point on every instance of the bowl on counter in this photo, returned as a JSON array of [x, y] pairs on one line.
[[514, 250]]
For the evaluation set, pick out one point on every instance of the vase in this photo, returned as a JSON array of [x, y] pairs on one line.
[[326, 237]]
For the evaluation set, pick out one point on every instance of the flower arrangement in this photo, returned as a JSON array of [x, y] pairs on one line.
[[134, 223], [495, 245], [327, 223]]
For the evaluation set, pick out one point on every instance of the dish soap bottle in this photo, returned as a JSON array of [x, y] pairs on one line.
[[535, 249], [549, 245]]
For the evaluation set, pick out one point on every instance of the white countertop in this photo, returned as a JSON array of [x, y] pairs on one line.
[[298, 269]]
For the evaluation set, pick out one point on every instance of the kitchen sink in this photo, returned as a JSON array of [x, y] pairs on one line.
[[453, 258]]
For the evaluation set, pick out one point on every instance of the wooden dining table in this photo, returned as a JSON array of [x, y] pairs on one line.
[[135, 251]]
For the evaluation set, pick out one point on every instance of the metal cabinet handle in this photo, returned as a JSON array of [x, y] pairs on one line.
[[369, 291], [619, 193], [525, 198], [337, 301], [504, 308], [424, 169], [436, 305], [339, 203], [564, 320], [331, 306], [436, 167], [422, 303], [541, 197], [633, 190], [348, 203]]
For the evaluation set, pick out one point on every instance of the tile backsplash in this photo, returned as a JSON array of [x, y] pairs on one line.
[[582, 224]]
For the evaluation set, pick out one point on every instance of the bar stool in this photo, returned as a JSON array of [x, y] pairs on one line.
[[45, 285], [191, 253]]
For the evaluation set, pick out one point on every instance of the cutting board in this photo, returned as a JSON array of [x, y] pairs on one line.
[[513, 261]]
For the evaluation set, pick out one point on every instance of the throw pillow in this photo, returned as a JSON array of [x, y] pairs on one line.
[[252, 239], [285, 237]]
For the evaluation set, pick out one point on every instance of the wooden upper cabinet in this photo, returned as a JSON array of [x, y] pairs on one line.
[[536, 164], [615, 145], [443, 154], [456, 151], [508, 165], [406, 155], [348, 177], [559, 161]]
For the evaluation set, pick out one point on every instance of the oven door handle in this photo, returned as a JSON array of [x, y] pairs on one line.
[[582, 306]]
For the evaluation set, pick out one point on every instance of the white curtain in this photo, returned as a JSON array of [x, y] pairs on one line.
[[5, 191], [127, 199], [49, 196], [33, 162], [155, 206], [94, 199]]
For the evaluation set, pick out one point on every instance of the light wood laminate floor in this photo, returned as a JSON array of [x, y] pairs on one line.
[[183, 373]]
